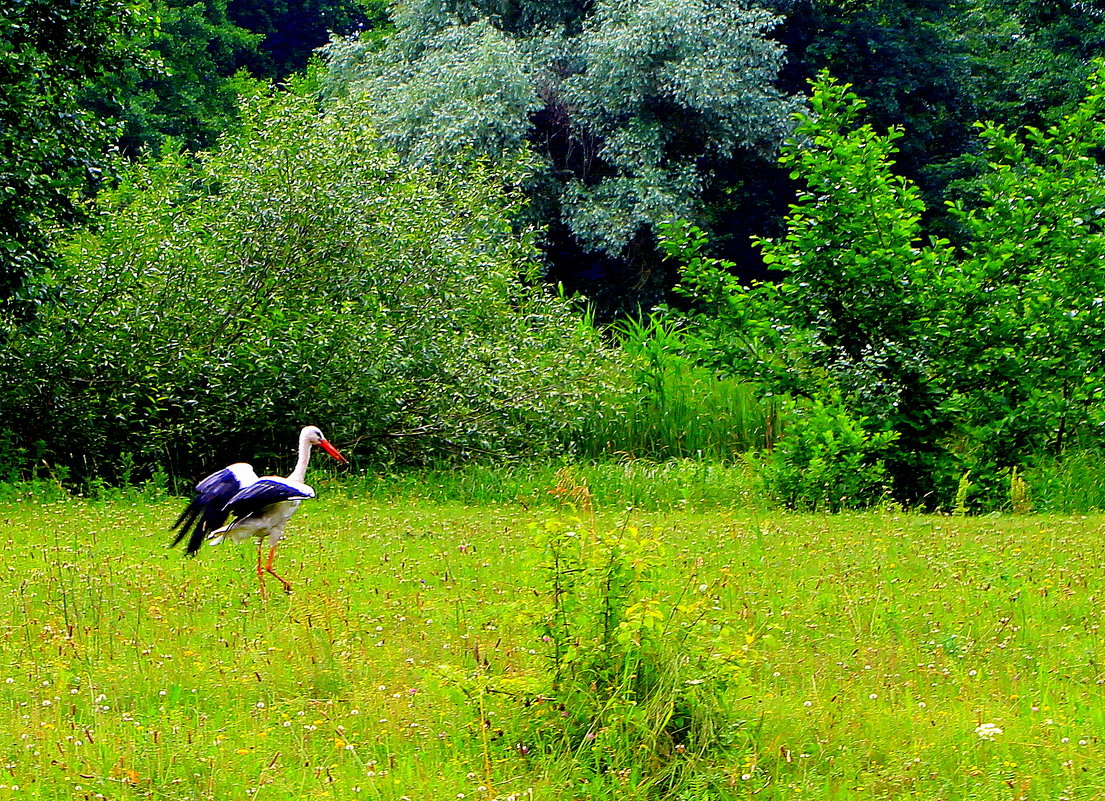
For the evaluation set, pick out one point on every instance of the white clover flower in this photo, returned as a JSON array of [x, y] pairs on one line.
[[987, 731]]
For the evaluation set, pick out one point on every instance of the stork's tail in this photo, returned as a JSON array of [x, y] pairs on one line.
[[191, 514]]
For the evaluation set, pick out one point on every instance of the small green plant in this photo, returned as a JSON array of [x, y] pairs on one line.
[[1019, 498], [825, 461], [962, 492], [636, 695]]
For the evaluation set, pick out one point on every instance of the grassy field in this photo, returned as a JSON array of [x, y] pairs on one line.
[[884, 655]]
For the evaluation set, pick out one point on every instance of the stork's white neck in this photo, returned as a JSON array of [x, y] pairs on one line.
[[300, 472]]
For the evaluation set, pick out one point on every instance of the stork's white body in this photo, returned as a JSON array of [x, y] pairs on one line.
[[268, 523]]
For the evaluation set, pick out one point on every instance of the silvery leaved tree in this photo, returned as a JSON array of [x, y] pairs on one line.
[[632, 111]]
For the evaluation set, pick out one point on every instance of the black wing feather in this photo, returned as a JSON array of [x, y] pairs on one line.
[[262, 494], [207, 508]]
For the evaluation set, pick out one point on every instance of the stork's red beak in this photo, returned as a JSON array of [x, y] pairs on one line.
[[330, 449]]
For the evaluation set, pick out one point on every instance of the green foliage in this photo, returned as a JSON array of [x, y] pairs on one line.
[[628, 107], [291, 30], [974, 358], [1030, 379], [639, 675], [51, 149], [825, 461], [911, 64], [298, 273], [675, 407], [858, 286], [201, 57], [190, 95], [652, 76], [1029, 57], [469, 91], [730, 332], [1072, 483]]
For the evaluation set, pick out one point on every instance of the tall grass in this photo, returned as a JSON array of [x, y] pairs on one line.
[[614, 484], [1073, 483], [675, 407]]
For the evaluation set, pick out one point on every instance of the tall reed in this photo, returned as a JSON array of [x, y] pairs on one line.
[[1073, 483], [675, 408]]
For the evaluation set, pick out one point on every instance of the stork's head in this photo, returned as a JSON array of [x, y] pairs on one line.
[[314, 436]]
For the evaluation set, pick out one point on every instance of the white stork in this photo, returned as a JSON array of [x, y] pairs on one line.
[[260, 507]]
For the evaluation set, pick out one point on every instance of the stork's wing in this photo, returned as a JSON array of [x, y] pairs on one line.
[[263, 493], [208, 508]]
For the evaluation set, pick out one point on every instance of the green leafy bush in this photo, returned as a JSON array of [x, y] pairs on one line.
[[977, 359], [298, 273], [825, 461]]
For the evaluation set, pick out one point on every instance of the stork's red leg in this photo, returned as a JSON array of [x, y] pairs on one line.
[[268, 567], [260, 567]]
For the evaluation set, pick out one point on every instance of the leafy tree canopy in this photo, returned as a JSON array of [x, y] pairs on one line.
[[1029, 56], [188, 94], [50, 145], [908, 62], [203, 51], [297, 273], [632, 108]]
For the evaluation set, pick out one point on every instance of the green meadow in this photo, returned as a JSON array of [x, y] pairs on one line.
[[878, 655]]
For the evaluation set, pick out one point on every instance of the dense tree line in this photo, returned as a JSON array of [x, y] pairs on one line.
[[635, 110], [592, 126]]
